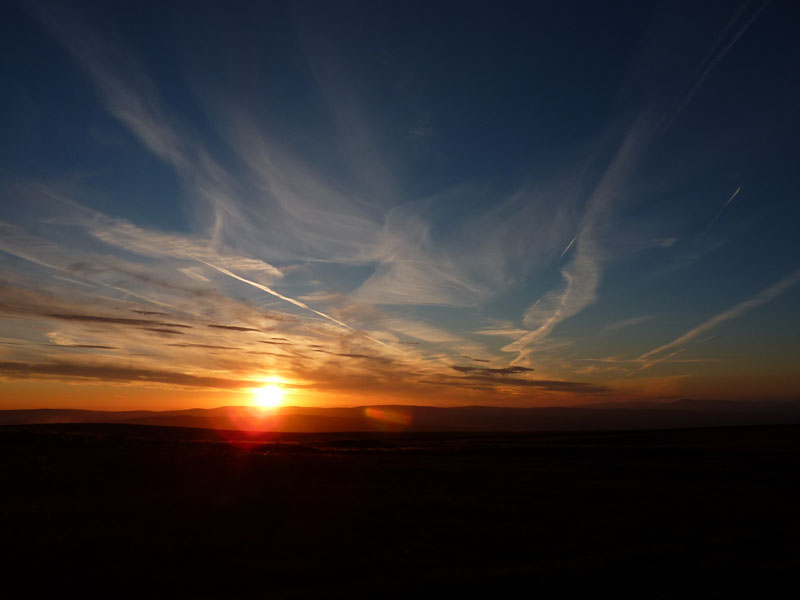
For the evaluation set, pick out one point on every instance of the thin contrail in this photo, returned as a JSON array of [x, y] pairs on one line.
[[714, 62], [655, 361], [733, 20], [721, 210], [297, 303], [568, 246], [269, 290]]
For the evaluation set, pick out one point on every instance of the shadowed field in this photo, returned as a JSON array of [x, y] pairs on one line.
[[130, 509]]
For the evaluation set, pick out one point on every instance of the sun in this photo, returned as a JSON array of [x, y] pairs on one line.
[[269, 396]]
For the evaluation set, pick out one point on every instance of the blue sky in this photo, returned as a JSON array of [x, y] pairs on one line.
[[443, 203]]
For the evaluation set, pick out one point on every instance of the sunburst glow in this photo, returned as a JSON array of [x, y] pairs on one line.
[[269, 396]]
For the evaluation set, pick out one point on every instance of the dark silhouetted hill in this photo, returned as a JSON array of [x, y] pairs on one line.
[[683, 413]]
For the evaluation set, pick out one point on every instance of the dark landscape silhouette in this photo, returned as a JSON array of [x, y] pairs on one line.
[[135, 510], [619, 416]]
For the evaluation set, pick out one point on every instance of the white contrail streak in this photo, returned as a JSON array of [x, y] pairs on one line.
[[297, 303], [715, 61], [721, 210], [655, 361], [569, 246], [269, 290]]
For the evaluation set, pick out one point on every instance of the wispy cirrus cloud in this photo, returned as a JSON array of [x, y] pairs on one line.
[[319, 244], [588, 252], [127, 91], [298, 215], [582, 274], [420, 330], [156, 244], [320, 223], [626, 323]]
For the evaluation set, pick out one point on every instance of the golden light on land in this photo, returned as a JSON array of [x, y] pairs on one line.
[[269, 396]]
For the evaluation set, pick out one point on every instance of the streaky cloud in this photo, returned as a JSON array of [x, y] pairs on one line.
[[234, 328], [150, 243], [735, 312], [113, 320], [116, 373], [582, 274], [489, 371], [625, 323], [115, 75]]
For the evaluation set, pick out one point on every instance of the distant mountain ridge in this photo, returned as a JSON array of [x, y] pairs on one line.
[[683, 413]]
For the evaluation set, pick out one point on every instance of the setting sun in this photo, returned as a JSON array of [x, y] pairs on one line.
[[269, 396]]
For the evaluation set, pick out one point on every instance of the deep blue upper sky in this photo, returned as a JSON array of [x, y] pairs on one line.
[[605, 193]]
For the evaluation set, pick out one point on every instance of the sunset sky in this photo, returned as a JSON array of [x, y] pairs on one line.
[[444, 203]]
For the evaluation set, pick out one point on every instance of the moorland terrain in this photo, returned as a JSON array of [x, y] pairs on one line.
[[115, 510]]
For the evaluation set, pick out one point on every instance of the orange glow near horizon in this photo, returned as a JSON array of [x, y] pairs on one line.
[[259, 393]]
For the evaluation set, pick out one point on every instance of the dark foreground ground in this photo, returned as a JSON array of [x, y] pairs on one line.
[[119, 510]]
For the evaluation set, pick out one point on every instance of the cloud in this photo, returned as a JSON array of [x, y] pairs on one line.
[[626, 323], [420, 132], [311, 232], [351, 355], [234, 328], [112, 320], [23, 302], [283, 207], [285, 298], [489, 372], [115, 373], [483, 360], [491, 382], [648, 362], [320, 223], [209, 346], [86, 346], [511, 333], [735, 312], [15, 241], [582, 274], [164, 331], [411, 278], [128, 93], [193, 273], [156, 244], [420, 330]]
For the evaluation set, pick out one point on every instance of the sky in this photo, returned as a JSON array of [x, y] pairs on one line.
[[431, 203]]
